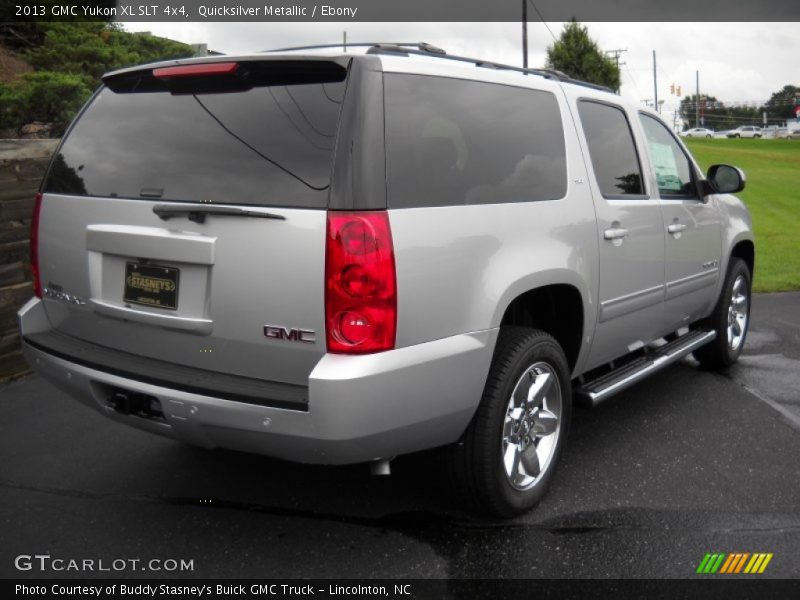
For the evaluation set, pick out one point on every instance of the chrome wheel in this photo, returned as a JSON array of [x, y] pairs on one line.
[[531, 426], [737, 313]]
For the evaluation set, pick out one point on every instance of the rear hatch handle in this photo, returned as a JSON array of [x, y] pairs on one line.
[[198, 213]]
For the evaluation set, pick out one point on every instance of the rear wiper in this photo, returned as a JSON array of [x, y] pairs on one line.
[[198, 213]]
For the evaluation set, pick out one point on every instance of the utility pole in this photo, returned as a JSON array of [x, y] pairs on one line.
[[525, 34], [697, 99], [344, 42], [615, 54], [655, 84]]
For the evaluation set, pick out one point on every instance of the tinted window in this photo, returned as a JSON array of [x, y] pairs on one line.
[[672, 170], [612, 149], [271, 144], [452, 142]]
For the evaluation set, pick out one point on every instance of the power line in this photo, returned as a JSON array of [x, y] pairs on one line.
[[542, 19]]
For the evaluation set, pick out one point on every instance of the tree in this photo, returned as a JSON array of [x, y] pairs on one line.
[[577, 55], [69, 59], [781, 104], [91, 49], [42, 96], [717, 115]]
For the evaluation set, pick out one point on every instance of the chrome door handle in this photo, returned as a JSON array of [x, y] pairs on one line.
[[676, 227], [615, 234]]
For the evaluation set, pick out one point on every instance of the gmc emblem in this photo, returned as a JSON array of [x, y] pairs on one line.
[[278, 332]]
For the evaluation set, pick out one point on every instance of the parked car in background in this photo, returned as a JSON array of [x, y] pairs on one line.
[[747, 131], [698, 132], [793, 134]]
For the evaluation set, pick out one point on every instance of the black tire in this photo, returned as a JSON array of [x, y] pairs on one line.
[[737, 136], [721, 353], [708, 137], [476, 464]]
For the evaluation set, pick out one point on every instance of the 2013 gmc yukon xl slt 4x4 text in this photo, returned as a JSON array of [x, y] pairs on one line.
[[335, 257]]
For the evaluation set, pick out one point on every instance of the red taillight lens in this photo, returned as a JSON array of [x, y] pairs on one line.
[[360, 287], [201, 70], [34, 250]]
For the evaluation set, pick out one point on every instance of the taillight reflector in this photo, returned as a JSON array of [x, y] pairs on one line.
[[34, 249], [360, 283], [200, 70]]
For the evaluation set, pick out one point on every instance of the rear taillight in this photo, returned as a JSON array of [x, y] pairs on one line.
[[34, 250], [360, 288]]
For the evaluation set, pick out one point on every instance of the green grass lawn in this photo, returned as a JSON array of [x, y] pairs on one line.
[[772, 195]]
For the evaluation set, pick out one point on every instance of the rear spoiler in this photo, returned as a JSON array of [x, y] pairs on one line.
[[224, 74]]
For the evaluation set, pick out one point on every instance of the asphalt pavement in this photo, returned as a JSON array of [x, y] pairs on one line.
[[685, 463]]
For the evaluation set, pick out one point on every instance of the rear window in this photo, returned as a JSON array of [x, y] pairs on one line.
[[271, 144], [452, 142]]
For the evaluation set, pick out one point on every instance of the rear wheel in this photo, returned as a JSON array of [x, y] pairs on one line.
[[730, 319], [506, 459]]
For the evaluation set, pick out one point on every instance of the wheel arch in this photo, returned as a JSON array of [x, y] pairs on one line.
[[556, 308], [745, 249]]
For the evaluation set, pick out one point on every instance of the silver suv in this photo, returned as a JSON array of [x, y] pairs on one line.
[[335, 258]]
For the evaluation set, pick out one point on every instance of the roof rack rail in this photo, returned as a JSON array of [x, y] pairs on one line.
[[418, 45], [431, 51]]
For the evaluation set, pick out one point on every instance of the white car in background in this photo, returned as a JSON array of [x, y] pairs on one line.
[[701, 132], [745, 132]]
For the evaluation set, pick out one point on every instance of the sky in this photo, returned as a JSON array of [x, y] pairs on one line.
[[738, 62]]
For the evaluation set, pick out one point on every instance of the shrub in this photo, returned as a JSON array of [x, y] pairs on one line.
[[42, 96]]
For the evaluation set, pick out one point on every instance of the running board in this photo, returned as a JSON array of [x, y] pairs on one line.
[[592, 393]]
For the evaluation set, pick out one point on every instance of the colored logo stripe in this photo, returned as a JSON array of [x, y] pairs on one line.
[[734, 562]]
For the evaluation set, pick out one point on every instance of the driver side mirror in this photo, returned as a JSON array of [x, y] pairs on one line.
[[725, 179]]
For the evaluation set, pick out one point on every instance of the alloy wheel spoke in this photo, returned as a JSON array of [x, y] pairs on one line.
[[511, 460], [522, 392], [545, 424], [530, 461], [736, 328], [540, 389]]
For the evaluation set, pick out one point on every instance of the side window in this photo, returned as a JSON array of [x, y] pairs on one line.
[[672, 167], [451, 142], [612, 150]]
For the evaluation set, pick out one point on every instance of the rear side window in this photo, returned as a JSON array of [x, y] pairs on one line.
[[612, 150], [271, 144], [451, 142]]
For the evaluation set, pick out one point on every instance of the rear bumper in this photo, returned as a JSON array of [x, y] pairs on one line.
[[360, 408]]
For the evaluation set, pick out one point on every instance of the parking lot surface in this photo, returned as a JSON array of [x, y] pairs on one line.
[[685, 463]]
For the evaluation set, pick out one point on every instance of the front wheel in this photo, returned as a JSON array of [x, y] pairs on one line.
[[730, 319], [708, 137], [506, 459]]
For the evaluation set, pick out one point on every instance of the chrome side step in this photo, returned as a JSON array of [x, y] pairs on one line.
[[592, 393]]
